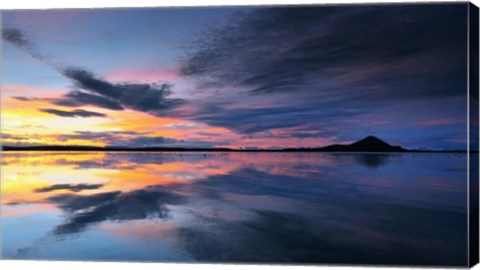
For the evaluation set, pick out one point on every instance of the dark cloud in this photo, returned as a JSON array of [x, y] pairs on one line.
[[332, 64], [77, 98], [298, 49], [74, 113], [22, 98], [92, 90], [17, 37], [83, 211], [21, 40], [88, 81], [70, 187]]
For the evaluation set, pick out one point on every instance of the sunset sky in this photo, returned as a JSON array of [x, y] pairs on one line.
[[236, 77]]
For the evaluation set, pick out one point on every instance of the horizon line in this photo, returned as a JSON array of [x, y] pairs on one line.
[[212, 149]]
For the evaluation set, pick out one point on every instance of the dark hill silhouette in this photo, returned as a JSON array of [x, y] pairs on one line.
[[368, 144], [374, 144]]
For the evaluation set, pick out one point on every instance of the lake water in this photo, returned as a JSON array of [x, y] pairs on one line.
[[235, 207]]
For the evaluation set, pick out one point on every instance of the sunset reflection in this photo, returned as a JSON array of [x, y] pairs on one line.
[[187, 204]]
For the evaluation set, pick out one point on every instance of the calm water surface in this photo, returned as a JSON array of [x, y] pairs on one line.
[[235, 207]]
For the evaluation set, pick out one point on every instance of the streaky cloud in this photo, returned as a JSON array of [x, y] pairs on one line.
[[302, 49], [24, 98], [77, 98], [19, 39], [74, 113], [92, 90], [70, 187], [333, 64], [132, 139], [150, 98]]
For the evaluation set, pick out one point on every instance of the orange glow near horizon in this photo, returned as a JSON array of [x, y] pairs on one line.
[[23, 123]]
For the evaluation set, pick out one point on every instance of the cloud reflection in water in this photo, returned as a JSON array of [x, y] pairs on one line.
[[240, 207]]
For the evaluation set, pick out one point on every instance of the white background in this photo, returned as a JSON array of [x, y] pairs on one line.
[[43, 4]]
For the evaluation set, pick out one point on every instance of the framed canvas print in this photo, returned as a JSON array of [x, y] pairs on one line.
[[297, 134]]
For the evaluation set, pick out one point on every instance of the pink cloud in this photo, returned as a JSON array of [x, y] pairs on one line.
[[457, 140], [146, 76], [47, 19], [29, 91], [282, 142], [379, 123], [440, 122], [368, 122]]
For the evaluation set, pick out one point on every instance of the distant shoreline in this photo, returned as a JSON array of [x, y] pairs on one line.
[[369, 144], [155, 149]]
